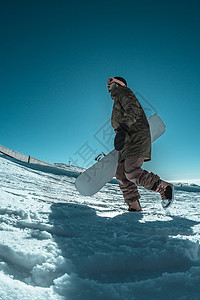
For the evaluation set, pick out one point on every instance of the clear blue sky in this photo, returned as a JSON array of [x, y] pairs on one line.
[[56, 57]]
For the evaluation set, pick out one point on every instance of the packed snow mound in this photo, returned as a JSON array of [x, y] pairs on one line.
[[56, 244], [69, 167]]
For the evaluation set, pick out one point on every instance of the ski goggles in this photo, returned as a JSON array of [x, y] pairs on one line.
[[114, 80]]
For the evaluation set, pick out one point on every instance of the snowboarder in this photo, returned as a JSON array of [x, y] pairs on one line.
[[133, 141]]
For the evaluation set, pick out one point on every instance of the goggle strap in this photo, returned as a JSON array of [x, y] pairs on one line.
[[112, 80]]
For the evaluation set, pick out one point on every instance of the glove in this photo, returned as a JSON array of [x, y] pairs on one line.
[[119, 141]]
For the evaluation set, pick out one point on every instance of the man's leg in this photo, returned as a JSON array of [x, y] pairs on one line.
[[148, 180], [134, 173], [128, 188]]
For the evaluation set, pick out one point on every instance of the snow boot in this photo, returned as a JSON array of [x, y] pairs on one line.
[[134, 206], [166, 191]]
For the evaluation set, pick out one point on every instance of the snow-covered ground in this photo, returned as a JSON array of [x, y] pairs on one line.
[[56, 244]]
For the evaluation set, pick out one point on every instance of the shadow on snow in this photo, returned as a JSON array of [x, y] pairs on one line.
[[121, 249]]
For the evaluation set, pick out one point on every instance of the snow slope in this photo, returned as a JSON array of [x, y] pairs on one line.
[[56, 244]]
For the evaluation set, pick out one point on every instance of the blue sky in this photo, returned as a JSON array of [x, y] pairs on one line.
[[56, 57]]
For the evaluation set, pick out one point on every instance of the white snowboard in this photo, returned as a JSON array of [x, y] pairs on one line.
[[94, 178]]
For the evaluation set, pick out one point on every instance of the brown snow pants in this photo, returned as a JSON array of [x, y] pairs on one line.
[[130, 175]]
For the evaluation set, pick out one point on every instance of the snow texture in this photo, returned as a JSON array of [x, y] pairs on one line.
[[56, 244]]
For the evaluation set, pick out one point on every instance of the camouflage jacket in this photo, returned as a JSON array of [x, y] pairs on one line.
[[127, 110]]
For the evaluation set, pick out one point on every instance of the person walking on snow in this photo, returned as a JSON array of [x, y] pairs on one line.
[[133, 141]]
